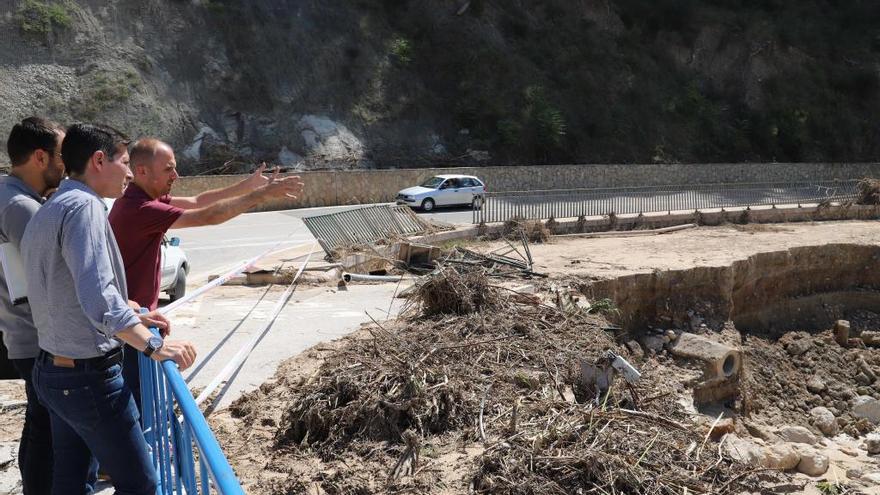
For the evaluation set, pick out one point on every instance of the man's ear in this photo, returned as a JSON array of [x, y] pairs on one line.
[[41, 157], [97, 160]]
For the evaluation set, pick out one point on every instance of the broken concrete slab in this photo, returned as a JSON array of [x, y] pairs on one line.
[[721, 361]]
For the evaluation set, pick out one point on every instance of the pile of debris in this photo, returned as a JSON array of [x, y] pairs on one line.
[[497, 375], [868, 191], [810, 380]]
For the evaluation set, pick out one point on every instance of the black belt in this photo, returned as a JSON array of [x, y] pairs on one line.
[[97, 363]]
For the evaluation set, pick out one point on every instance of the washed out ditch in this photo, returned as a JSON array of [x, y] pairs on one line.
[[759, 376]]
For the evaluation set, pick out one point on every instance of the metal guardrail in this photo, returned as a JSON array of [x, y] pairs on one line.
[[573, 203], [173, 442], [363, 225]]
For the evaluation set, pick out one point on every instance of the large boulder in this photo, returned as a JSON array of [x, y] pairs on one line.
[[812, 463], [824, 420], [781, 456], [743, 450], [797, 434]]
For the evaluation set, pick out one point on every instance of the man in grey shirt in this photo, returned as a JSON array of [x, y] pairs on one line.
[[34, 148], [78, 295]]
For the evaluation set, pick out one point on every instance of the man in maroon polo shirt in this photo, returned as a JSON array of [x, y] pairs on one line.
[[142, 216]]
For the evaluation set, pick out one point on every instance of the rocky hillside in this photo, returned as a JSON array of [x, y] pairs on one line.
[[383, 83]]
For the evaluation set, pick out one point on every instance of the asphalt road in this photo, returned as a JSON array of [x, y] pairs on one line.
[[214, 249]]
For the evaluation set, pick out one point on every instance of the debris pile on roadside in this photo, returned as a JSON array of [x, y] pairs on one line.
[[868, 191], [500, 375]]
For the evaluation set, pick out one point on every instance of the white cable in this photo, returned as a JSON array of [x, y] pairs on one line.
[[226, 277], [246, 350]]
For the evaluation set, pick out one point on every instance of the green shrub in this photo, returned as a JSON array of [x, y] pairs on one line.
[[106, 90], [401, 49], [42, 18]]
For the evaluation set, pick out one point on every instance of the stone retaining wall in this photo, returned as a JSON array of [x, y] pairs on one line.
[[329, 188]]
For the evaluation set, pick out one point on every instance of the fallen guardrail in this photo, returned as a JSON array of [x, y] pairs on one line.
[[573, 203], [363, 225]]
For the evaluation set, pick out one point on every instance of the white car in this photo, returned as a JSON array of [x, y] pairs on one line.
[[444, 190], [175, 265]]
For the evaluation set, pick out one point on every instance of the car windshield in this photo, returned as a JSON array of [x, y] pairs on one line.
[[433, 182]]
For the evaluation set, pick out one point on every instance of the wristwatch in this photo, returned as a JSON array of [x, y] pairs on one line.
[[153, 344]]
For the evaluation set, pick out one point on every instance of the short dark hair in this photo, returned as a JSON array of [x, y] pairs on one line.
[[83, 140], [32, 134]]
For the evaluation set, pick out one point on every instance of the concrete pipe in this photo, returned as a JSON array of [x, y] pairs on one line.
[[721, 361], [357, 277]]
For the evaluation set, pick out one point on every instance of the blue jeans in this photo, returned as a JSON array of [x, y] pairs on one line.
[[35, 448], [92, 412]]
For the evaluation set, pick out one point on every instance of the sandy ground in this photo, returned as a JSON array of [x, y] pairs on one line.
[[561, 257], [702, 246]]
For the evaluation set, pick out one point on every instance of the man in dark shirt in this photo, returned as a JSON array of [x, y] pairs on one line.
[[142, 216], [34, 148]]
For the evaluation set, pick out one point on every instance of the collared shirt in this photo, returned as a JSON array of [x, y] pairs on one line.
[[139, 223], [76, 280], [18, 204]]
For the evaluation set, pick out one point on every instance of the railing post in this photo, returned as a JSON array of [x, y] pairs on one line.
[[171, 440]]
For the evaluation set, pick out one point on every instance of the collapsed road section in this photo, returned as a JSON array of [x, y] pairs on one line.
[[505, 382]]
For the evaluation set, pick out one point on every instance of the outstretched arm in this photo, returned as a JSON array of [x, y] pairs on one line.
[[207, 198], [226, 209]]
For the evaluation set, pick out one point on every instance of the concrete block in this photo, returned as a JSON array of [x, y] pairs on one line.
[[841, 332], [721, 361]]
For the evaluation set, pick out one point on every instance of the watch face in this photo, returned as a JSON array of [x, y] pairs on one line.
[[154, 342]]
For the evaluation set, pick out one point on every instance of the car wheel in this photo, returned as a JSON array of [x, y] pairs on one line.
[[477, 203], [179, 289], [428, 204]]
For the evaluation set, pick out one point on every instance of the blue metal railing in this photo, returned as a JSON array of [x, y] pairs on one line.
[[173, 441]]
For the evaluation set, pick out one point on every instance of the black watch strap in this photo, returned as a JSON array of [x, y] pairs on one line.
[[153, 344]]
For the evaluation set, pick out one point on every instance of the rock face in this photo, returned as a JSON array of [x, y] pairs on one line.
[[394, 74], [329, 141], [824, 420]]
